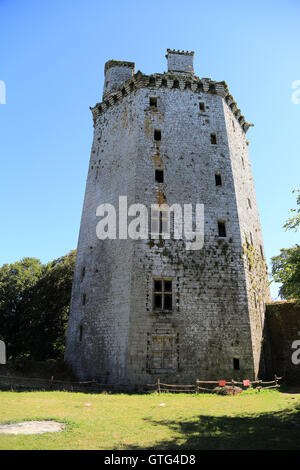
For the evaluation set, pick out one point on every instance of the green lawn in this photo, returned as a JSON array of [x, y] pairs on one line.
[[266, 420]]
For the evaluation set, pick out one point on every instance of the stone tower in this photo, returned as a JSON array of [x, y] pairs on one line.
[[148, 308]]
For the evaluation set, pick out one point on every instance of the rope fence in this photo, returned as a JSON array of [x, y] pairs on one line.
[[214, 386], [36, 383], [209, 386]]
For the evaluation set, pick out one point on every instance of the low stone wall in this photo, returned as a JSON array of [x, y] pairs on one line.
[[282, 329]]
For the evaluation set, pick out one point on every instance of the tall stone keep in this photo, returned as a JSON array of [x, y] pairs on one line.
[[143, 309]]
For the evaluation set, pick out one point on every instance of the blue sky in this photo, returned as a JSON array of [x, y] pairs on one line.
[[52, 55]]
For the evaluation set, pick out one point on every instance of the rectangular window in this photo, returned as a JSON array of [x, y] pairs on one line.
[[213, 139], [249, 203], [202, 106], [160, 221], [157, 135], [159, 176], [218, 179], [163, 352], [153, 102], [80, 332], [236, 363], [162, 294], [83, 299], [222, 229]]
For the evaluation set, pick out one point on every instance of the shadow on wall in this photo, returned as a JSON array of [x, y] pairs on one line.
[[282, 337]]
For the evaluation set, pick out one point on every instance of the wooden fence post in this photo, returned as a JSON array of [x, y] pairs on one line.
[[197, 386], [259, 386], [232, 384], [158, 385]]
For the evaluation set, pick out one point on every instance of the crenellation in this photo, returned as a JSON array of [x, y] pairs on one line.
[[140, 80]]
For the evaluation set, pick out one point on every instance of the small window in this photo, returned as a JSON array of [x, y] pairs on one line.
[[162, 294], [80, 332], [243, 162], [83, 299], [202, 106], [159, 222], [176, 84], [153, 102], [261, 251], [249, 203], [159, 176], [157, 135], [213, 139], [222, 229], [82, 273], [236, 363], [218, 179]]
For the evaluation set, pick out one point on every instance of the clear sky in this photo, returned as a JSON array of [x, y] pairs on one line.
[[52, 55]]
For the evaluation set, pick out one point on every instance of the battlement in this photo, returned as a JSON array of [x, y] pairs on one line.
[[180, 61], [168, 80]]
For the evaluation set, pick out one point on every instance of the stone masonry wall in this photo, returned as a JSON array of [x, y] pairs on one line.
[[210, 322], [283, 328], [252, 242], [103, 268]]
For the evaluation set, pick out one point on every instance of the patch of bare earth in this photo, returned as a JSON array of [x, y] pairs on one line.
[[31, 427]]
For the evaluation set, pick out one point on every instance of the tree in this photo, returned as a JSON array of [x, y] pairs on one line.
[[15, 280], [34, 306], [46, 310], [294, 222], [286, 269], [286, 266]]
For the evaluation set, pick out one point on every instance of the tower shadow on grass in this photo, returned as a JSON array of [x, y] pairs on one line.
[[266, 431]]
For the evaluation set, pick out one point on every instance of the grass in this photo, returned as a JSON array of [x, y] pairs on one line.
[[266, 420]]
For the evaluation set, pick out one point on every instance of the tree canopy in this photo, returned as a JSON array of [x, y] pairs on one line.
[[286, 266], [286, 269], [293, 222], [34, 306]]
